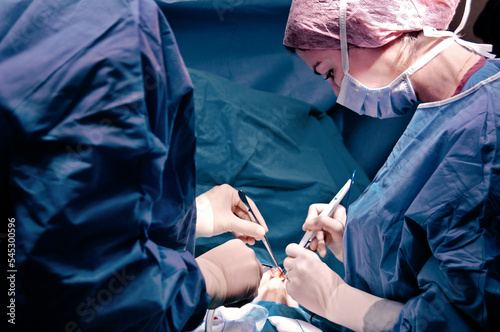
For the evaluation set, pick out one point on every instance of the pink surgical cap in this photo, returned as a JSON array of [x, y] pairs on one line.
[[314, 24]]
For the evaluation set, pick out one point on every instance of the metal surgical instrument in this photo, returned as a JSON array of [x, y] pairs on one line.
[[309, 235], [264, 239]]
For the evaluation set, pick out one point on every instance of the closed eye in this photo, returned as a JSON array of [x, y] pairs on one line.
[[329, 74]]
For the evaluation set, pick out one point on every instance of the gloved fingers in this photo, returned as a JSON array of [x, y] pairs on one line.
[[221, 210], [313, 245], [289, 261], [293, 250], [288, 264], [237, 202], [319, 244], [290, 278], [313, 212], [334, 227], [340, 215], [321, 223], [246, 239], [294, 283], [298, 261], [336, 235], [331, 236], [242, 212], [303, 258], [248, 228]]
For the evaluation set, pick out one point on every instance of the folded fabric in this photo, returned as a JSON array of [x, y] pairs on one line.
[[285, 324], [250, 317]]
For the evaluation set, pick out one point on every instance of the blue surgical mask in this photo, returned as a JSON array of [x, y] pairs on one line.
[[392, 100], [395, 99]]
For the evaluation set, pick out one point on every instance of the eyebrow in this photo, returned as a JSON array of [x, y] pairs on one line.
[[315, 66]]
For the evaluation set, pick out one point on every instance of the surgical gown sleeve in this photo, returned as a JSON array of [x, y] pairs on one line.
[[430, 220], [100, 167]]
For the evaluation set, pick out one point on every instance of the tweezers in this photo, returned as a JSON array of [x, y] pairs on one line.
[[243, 197]]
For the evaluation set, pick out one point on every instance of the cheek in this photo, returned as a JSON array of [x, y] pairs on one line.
[[336, 88], [337, 81]]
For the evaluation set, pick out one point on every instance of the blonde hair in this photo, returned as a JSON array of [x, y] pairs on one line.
[[409, 50]]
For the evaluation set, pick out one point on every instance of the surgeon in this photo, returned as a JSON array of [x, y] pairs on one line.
[[421, 245], [98, 177]]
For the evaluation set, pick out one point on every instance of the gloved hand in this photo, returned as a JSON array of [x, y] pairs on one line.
[[330, 230], [232, 273], [310, 281], [220, 210], [318, 288]]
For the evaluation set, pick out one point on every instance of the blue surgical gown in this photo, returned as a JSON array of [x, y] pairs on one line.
[[426, 231], [97, 158]]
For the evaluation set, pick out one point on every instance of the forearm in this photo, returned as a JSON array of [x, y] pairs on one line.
[[361, 311]]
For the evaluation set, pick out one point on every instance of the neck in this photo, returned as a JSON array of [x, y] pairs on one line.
[[440, 78]]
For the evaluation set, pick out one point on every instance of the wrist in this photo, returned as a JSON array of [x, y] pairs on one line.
[[382, 315], [204, 217], [214, 280], [348, 306]]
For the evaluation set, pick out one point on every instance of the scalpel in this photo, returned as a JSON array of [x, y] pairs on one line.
[[309, 235]]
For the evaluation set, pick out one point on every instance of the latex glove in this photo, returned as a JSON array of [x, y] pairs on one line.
[[330, 230], [221, 210], [310, 281], [318, 288], [232, 273]]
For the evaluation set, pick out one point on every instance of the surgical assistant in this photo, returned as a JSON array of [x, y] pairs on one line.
[[421, 245], [97, 169]]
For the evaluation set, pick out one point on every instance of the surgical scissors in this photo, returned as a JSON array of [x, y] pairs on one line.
[[243, 197]]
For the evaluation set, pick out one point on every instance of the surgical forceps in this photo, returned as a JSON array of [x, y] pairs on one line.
[[243, 197]]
